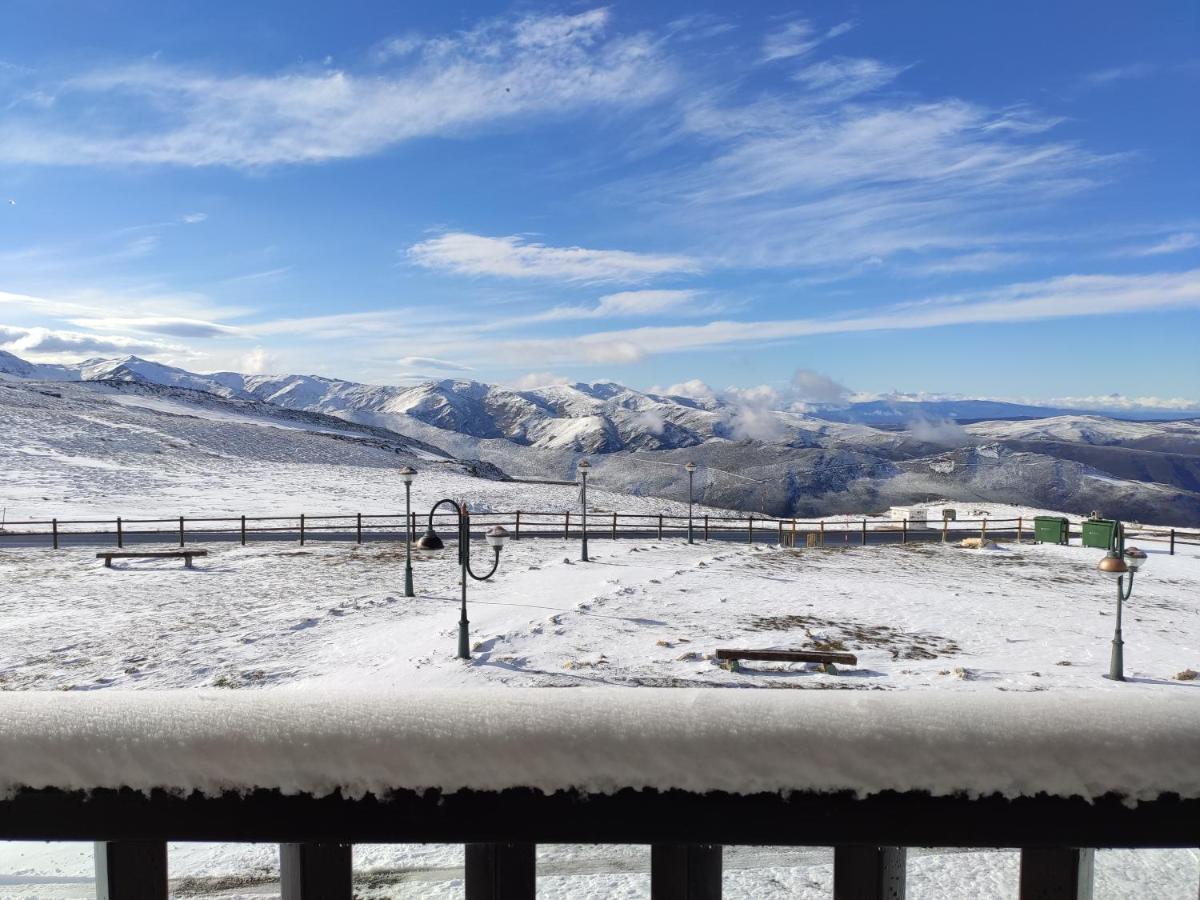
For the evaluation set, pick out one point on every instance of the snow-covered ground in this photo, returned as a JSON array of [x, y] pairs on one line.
[[919, 617]]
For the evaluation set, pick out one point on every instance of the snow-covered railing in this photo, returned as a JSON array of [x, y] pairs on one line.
[[683, 770], [361, 527]]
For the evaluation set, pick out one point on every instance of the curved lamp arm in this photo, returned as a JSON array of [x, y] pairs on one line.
[[457, 509], [1125, 590], [495, 566]]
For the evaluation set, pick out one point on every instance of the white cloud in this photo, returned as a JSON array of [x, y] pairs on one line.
[[1121, 403], [983, 261], [515, 257], [537, 379], [1118, 73], [429, 362], [694, 389], [501, 70], [797, 38], [1061, 297], [193, 218], [42, 343], [175, 327], [843, 77], [1175, 243], [258, 362]]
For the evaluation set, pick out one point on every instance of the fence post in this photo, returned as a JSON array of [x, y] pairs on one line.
[[567, 526], [358, 528], [517, 532], [54, 531], [1020, 528], [822, 538], [243, 531], [864, 533], [411, 524], [780, 524], [904, 531], [750, 530], [706, 528], [660, 526], [500, 871], [1172, 542], [315, 871], [945, 527], [131, 869], [685, 871], [181, 531], [869, 872], [1056, 872], [983, 530], [120, 536], [301, 529], [614, 526]]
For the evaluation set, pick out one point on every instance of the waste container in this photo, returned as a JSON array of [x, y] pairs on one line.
[[1101, 533], [1051, 529]]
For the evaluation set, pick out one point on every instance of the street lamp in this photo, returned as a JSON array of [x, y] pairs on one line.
[[584, 465], [496, 536], [1116, 567], [407, 474], [691, 470]]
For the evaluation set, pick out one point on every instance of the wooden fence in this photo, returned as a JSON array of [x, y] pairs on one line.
[[685, 832], [364, 527]]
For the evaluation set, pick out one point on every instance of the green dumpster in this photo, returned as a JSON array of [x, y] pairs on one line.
[[1050, 529], [1101, 533]]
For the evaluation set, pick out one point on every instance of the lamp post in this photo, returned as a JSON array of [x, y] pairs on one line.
[[407, 474], [584, 465], [1116, 567], [691, 470], [496, 536]]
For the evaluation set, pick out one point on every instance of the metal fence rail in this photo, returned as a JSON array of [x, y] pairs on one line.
[[363, 527]]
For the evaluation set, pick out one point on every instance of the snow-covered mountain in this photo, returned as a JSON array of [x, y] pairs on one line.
[[785, 463]]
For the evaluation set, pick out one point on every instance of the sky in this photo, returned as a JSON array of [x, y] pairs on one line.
[[994, 199]]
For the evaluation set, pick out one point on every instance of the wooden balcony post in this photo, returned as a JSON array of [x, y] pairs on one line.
[[315, 871], [131, 870], [181, 532], [685, 872], [501, 872], [120, 536], [1056, 873], [869, 873]]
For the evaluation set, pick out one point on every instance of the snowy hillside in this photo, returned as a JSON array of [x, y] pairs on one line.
[[777, 462]]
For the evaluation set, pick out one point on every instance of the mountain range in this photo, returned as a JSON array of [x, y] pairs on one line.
[[821, 461]]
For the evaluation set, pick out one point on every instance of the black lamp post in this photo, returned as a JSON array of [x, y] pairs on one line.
[[407, 474], [1116, 567], [584, 465], [496, 536], [691, 470]]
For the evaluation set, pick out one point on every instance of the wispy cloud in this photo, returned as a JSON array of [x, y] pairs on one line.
[[174, 327], [1175, 243], [1119, 73], [1062, 297], [798, 37], [516, 257], [843, 77], [429, 362], [503, 69], [42, 343]]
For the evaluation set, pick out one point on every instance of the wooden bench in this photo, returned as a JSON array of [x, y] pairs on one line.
[[826, 658], [185, 555]]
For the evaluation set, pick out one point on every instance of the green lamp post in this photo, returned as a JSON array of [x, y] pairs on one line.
[[1117, 567], [496, 537], [584, 465], [691, 470], [407, 474]]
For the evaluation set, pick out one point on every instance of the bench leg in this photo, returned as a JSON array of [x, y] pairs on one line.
[[108, 562], [187, 562], [869, 873]]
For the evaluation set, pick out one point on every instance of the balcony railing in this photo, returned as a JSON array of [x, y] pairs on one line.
[[683, 771]]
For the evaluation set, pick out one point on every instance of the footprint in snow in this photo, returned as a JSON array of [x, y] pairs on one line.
[[304, 623]]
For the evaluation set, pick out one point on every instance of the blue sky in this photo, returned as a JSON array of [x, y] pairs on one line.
[[993, 199]]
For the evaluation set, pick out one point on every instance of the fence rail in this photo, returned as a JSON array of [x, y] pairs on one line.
[[685, 831], [362, 527]]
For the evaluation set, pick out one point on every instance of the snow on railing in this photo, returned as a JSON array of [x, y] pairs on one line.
[[1067, 744]]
